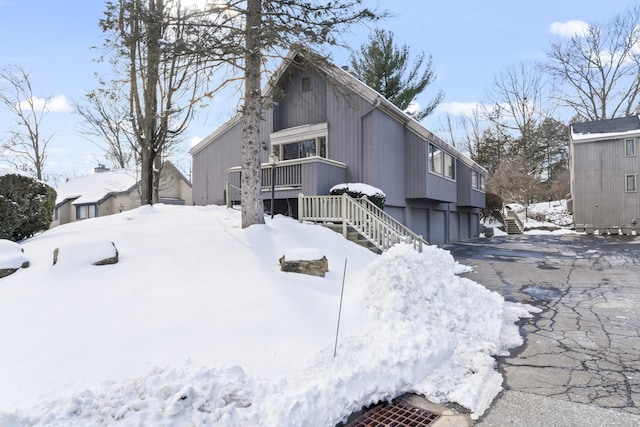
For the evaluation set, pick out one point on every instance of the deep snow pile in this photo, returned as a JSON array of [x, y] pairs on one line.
[[196, 325]]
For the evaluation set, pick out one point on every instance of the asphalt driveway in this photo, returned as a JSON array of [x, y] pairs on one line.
[[584, 347]]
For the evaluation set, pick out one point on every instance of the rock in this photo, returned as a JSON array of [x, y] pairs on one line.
[[305, 261], [101, 252], [11, 257]]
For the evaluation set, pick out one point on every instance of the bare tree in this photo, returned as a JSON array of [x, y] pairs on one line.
[[165, 81], [518, 99], [27, 144], [599, 71], [246, 33], [107, 124]]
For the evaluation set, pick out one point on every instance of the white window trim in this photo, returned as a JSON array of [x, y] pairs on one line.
[[298, 133], [442, 153], [455, 167], [635, 183], [625, 147]]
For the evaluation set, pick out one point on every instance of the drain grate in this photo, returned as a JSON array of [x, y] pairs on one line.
[[396, 414]]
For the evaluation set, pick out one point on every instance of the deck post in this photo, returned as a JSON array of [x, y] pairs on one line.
[[344, 215], [300, 207]]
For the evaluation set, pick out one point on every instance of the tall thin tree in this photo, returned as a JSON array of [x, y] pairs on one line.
[[245, 34], [27, 143], [146, 42]]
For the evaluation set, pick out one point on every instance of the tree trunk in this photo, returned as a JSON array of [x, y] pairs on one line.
[[251, 184]]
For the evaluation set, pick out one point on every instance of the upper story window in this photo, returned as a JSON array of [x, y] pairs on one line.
[[435, 159], [449, 166], [300, 142], [630, 183], [301, 149], [477, 181], [630, 147]]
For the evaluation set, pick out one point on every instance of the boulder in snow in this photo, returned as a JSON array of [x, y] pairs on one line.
[[305, 261], [11, 257], [101, 252]]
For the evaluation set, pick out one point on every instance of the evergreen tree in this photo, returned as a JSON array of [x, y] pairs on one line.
[[382, 65]]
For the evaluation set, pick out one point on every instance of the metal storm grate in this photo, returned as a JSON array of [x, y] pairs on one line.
[[396, 414]]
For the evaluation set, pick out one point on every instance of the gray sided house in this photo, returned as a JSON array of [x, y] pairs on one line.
[[604, 164], [326, 127]]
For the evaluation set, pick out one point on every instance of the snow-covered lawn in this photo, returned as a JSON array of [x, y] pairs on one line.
[[196, 325]]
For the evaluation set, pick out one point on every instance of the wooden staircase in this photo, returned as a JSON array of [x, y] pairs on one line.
[[358, 220]]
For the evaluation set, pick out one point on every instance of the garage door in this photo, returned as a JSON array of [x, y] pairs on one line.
[[475, 225], [454, 227], [419, 222], [437, 227], [464, 226]]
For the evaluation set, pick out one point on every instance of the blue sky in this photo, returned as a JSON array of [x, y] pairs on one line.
[[470, 41]]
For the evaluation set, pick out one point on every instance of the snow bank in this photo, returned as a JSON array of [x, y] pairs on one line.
[[11, 255], [197, 326]]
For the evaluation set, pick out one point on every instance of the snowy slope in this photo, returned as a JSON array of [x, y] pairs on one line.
[[196, 325]]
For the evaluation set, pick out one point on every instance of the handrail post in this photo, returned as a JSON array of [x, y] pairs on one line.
[[300, 207], [344, 215], [228, 197]]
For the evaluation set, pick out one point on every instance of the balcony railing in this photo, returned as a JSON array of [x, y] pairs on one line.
[[311, 175]]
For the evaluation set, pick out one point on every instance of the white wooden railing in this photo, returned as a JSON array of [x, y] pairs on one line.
[[375, 225]]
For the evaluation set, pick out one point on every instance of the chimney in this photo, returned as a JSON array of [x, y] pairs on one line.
[[100, 168]]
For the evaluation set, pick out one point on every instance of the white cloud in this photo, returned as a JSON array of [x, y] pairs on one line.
[[58, 104], [459, 108], [569, 28], [194, 140]]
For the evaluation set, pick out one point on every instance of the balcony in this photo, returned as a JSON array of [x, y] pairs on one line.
[[313, 176]]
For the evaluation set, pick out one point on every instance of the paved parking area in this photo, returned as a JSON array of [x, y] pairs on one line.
[[584, 347]]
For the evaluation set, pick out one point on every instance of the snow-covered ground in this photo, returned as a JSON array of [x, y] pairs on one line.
[[197, 325]]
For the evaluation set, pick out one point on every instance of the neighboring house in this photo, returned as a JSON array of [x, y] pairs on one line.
[[604, 164], [106, 192], [327, 127]]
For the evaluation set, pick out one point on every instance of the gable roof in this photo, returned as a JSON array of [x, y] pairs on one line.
[[620, 124], [96, 187], [605, 129], [350, 81]]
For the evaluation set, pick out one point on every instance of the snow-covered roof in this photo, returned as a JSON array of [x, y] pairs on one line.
[[619, 127], [95, 187]]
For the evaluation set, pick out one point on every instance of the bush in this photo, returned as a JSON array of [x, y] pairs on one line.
[[26, 206], [357, 191], [493, 207]]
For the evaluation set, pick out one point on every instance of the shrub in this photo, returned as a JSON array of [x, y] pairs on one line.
[[493, 207], [357, 191], [26, 206]]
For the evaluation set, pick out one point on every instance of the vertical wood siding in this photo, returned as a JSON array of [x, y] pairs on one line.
[[598, 192]]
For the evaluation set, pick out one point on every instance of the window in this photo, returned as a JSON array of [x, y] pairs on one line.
[[449, 166], [435, 159], [306, 84], [300, 142], [301, 149], [629, 147], [86, 211], [477, 181], [630, 183]]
